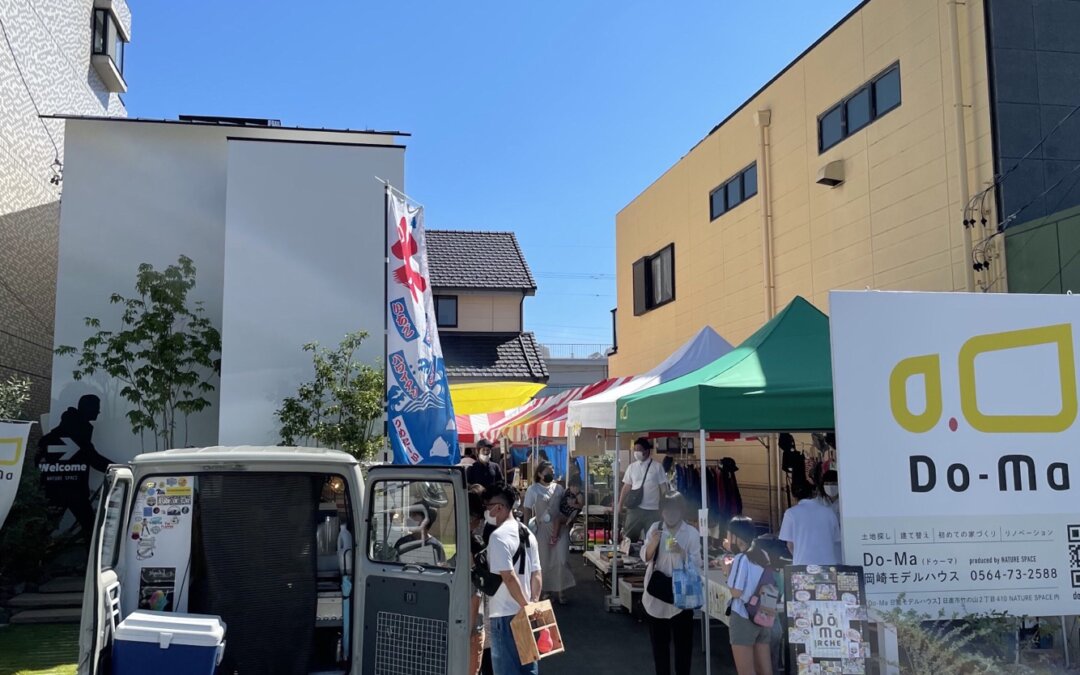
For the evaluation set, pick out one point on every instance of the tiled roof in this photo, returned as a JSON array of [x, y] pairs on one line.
[[460, 259], [494, 356]]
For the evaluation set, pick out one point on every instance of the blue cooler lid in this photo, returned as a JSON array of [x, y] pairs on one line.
[[169, 628]]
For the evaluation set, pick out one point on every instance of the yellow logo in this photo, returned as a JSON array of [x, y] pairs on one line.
[[7, 458], [929, 367], [624, 412]]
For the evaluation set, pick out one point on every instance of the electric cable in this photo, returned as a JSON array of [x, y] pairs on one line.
[[57, 165]]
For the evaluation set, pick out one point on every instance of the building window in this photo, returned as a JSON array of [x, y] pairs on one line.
[[108, 40], [446, 311], [733, 191], [654, 280], [868, 103]]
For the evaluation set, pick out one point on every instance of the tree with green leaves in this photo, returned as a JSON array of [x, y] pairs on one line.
[[163, 355], [342, 407], [14, 393]]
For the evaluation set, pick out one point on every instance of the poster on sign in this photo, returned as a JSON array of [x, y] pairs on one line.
[[826, 619], [157, 560], [956, 421]]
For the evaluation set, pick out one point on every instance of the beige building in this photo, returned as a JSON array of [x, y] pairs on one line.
[[479, 281], [843, 172]]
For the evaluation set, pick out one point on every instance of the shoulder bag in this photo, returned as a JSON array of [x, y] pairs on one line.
[[636, 495]]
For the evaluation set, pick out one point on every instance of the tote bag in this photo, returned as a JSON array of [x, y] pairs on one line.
[[687, 587]]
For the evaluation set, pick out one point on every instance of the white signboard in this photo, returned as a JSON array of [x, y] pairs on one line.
[[13, 436], [958, 441], [157, 560]]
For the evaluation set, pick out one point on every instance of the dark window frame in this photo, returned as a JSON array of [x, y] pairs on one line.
[[443, 298], [721, 191], [649, 285], [870, 86], [110, 34]]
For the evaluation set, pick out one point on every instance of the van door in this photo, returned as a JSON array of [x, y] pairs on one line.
[[412, 599], [101, 596]]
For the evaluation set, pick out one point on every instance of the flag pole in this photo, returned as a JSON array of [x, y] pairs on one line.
[[387, 446]]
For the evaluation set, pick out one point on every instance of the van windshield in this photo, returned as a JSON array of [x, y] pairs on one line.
[[413, 522]]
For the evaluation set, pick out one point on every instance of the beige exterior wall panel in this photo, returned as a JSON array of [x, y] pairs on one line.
[[894, 223]]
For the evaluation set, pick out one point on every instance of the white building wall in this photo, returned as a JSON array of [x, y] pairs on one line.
[[50, 46], [148, 192]]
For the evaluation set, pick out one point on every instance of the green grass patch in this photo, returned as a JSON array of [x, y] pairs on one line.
[[39, 650]]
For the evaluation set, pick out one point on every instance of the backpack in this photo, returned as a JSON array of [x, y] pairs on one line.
[[762, 605], [489, 582]]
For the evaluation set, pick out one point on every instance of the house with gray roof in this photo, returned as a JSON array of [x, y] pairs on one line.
[[480, 281]]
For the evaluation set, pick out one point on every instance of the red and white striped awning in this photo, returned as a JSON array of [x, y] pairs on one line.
[[549, 420], [471, 428]]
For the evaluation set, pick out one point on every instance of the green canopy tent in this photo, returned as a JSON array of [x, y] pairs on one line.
[[779, 379]]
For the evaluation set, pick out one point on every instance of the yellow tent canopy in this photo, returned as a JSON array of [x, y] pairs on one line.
[[478, 398]]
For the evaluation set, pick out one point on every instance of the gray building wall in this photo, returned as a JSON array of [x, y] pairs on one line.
[[147, 192], [50, 50], [570, 373]]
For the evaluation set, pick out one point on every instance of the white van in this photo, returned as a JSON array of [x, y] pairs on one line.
[[312, 566]]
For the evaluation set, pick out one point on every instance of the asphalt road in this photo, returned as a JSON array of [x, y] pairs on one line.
[[599, 642]]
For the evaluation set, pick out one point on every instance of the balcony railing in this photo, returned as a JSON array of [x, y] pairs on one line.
[[574, 351]]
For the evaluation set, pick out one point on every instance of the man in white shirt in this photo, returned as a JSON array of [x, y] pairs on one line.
[[468, 458], [811, 529], [649, 477], [518, 563]]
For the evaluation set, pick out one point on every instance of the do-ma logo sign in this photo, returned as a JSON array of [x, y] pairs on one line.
[[1021, 467]]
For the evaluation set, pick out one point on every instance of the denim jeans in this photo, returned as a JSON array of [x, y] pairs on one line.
[[504, 655]]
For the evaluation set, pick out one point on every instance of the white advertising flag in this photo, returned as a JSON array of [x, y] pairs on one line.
[[419, 411], [13, 439], [956, 422]]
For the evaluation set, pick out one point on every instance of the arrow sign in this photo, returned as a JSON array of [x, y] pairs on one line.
[[69, 452]]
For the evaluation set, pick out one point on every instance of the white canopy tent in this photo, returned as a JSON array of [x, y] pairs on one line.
[[593, 419], [599, 412]]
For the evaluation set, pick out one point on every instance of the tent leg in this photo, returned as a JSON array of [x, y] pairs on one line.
[[703, 524], [613, 600]]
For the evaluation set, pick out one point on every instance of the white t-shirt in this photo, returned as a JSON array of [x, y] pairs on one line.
[[502, 546], [814, 530], [745, 576], [636, 477], [690, 542]]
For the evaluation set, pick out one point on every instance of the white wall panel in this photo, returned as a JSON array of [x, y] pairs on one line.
[[303, 262]]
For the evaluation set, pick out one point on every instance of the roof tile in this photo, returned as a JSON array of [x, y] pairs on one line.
[[495, 356], [465, 259]]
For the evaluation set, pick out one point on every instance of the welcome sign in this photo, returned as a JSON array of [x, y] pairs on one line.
[[958, 441]]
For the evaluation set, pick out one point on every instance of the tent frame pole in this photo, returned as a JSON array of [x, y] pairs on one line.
[[613, 599], [703, 526]]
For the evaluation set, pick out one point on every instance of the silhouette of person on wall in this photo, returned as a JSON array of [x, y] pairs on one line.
[[65, 456]]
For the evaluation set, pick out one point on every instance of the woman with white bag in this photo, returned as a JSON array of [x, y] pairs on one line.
[[670, 545]]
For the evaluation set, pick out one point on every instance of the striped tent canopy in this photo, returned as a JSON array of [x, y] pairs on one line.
[[471, 428], [548, 420]]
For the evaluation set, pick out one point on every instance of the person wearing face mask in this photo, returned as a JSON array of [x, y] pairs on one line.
[[479, 532], [669, 544], [830, 491], [484, 471], [750, 643], [648, 480], [512, 553], [542, 501]]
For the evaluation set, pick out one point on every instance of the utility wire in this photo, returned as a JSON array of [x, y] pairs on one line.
[[57, 166]]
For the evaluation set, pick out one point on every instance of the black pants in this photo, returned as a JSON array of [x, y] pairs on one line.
[[678, 629]]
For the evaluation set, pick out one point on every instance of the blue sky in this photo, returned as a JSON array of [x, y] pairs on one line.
[[544, 118]]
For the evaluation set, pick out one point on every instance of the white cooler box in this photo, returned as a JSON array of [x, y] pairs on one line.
[[165, 643]]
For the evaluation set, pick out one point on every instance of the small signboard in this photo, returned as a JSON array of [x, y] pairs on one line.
[[826, 619]]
